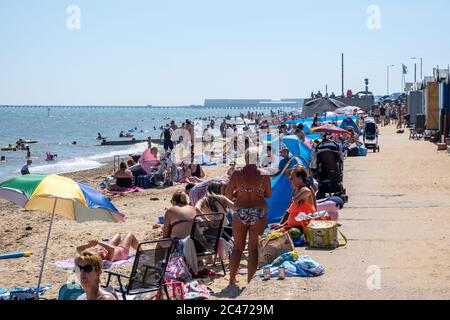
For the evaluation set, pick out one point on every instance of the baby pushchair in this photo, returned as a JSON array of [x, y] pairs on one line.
[[330, 171], [371, 136]]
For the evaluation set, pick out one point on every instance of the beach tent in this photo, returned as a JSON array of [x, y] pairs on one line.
[[320, 106], [281, 186], [348, 122], [147, 161]]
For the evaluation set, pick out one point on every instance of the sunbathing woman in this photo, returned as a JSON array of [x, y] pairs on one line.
[[124, 178], [178, 219], [196, 168], [116, 249], [303, 200], [89, 266], [249, 186], [186, 175]]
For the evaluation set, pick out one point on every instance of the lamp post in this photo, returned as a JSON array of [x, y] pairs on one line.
[[421, 65], [391, 65]]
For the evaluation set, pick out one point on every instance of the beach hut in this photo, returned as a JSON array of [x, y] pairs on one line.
[[444, 104], [432, 108], [415, 106], [320, 106]]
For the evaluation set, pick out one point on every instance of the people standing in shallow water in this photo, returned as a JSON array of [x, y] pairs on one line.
[[25, 168]]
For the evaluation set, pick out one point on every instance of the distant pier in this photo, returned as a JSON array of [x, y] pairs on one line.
[[142, 107]]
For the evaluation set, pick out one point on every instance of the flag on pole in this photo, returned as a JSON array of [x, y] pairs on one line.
[[405, 69]]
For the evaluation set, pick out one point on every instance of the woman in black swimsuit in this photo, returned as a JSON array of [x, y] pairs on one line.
[[124, 178], [196, 168]]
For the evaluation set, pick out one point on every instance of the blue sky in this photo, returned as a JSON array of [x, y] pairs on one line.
[[181, 52]]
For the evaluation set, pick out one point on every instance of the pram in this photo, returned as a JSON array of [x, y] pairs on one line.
[[370, 136], [330, 171]]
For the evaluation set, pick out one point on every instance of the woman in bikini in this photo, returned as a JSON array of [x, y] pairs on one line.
[[116, 249], [178, 219], [250, 187], [89, 266]]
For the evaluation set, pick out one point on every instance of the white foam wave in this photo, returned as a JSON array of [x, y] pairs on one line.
[[65, 166], [137, 148], [90, 162]]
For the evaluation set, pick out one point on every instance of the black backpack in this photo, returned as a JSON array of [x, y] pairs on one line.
[[167, 135]]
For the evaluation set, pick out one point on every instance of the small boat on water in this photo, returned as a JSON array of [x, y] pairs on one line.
[[30, 141], [121, 142], [8, 148]]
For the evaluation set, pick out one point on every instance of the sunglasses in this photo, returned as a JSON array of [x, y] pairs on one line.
[[87, 268]]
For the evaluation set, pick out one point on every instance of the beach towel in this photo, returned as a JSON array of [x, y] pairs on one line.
[[178, 270], [302, 267], [5, 294], [70, 263], [190, 254], [125, 191], [186, 291], [148, 161]]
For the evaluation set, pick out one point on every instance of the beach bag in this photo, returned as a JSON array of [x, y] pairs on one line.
[[270, 247], [324, 235], [362, 152], [144, 182], [305, 219]]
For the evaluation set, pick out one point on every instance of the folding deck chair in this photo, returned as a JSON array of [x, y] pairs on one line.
[[148, 271], [205, 233]]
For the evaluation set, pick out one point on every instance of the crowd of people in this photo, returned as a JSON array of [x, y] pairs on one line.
[[241, 197], [390, 113]]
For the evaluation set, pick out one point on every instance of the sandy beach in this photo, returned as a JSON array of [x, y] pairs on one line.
[[396, 220], [22, 230]]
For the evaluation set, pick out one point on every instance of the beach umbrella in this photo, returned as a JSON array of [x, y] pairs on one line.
[[321, 105], [348, 109], [59, 195], [330, 129], [329, 114]]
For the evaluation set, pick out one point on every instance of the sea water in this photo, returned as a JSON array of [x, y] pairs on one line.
[[57, 129]]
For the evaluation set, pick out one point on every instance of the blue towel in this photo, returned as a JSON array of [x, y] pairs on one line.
[[302, 267], [5, 293]]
